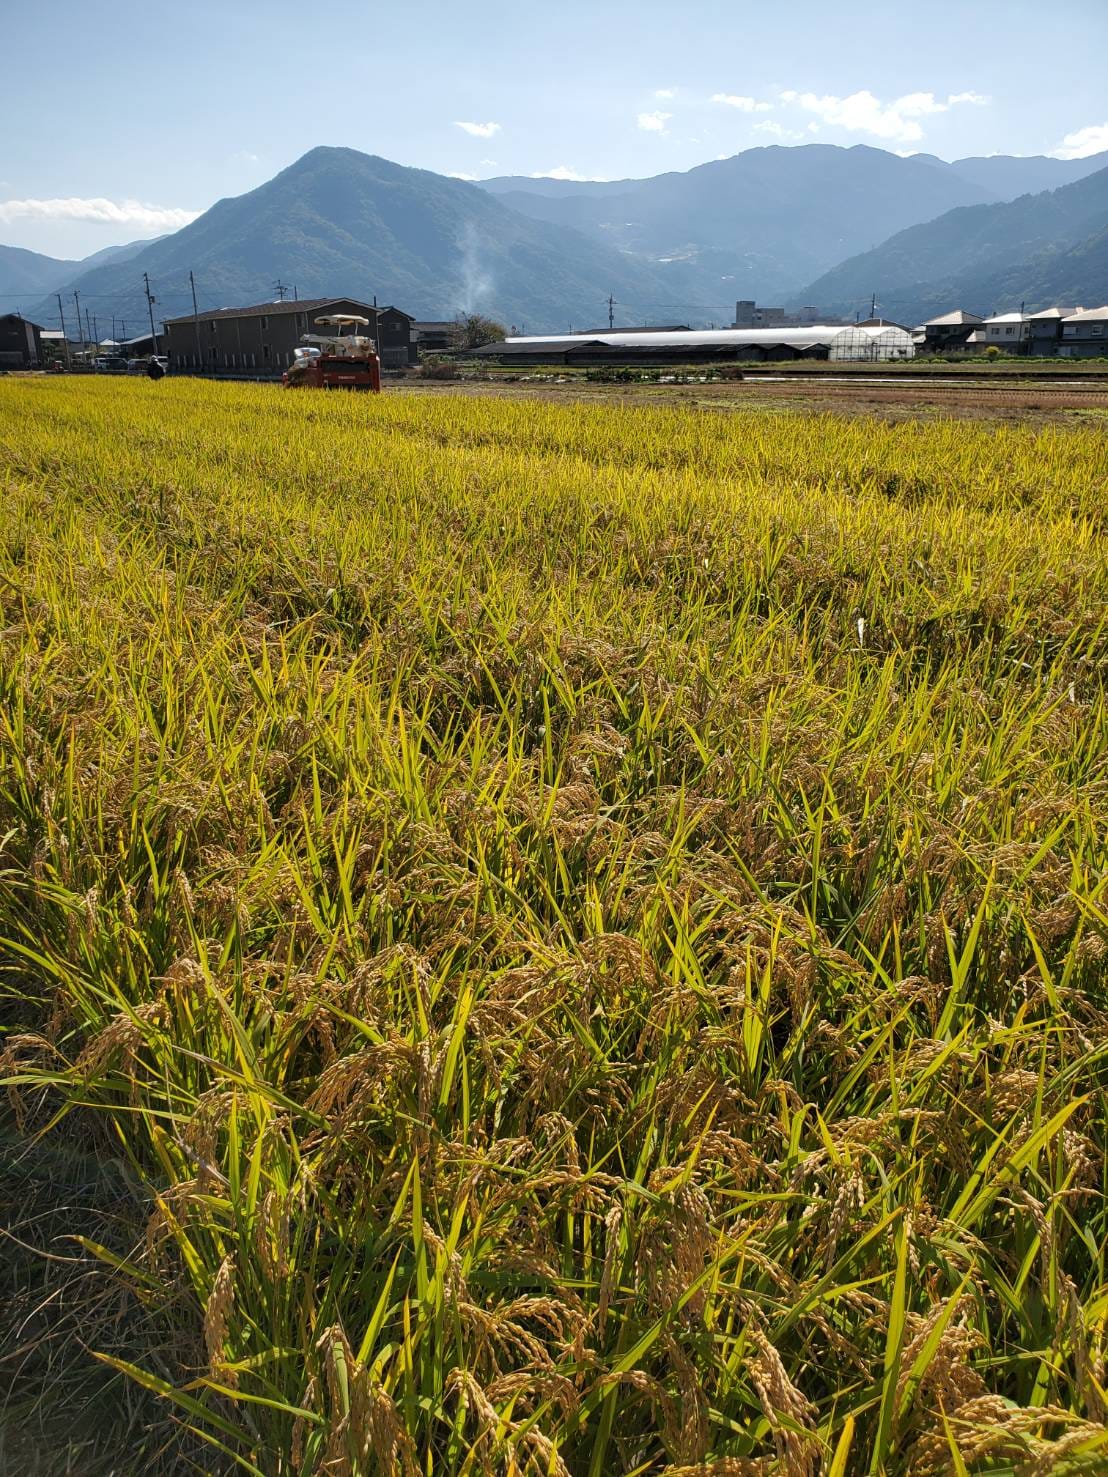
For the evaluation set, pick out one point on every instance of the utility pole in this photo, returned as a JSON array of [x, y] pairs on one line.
[[150, 309], [88, 328], [295, 294], [873, 306], [77, 300], [611, 312], [65, 336], [196, 323], [114, 339], [95, 331]]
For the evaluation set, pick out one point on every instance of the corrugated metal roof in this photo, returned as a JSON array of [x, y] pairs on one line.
[[1007, 318], [706, 338], [1089, 315], [948, 319], [296, 305]]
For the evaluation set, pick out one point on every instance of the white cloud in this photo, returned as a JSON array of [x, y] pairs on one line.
[[244, 156], [664, 94], [490, 163], [743, 104], [861, 112], [654, 122], [479, 130], [470, 178], [775, 130], [1083, 142], [562, 171], [100, 212]]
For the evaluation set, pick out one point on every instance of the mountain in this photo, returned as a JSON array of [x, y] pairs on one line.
[[1010, 175], [776, 216], [25, 276], [983, 257], [117, 253], [1074, 274], [338, 221]]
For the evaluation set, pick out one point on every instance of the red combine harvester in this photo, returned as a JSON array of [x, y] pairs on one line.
[[345, 359]]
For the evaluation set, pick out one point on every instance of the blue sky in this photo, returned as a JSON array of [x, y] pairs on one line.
[[122, 120]]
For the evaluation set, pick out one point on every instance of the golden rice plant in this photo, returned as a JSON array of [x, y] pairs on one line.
[[551, 939]]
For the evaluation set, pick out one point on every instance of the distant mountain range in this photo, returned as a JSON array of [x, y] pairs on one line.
[[26, 275], [763, 221], [338, 221], [1039, 249], [546, 254]]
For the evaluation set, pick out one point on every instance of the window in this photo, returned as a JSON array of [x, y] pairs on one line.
[[265, 321], [1069, 329], [265, 351], [211, 325], [1096, 329], [1009, 331]]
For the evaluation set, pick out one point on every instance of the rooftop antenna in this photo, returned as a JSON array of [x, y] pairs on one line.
[[280, 289]]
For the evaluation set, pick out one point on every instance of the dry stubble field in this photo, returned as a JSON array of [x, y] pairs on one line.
[[549, 938]]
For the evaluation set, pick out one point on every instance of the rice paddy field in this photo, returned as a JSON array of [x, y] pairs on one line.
[[549, 938]]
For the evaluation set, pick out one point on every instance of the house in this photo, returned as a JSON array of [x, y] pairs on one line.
[[433, 338], [1045, 330], [1008, 331], [140, 347], [1085, 334], [259, 342], [20, 342], [947, 333]]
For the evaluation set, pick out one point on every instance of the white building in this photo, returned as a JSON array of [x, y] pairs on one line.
[[1008, 331]]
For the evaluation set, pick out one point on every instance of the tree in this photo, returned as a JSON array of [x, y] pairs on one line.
[[472, 330]]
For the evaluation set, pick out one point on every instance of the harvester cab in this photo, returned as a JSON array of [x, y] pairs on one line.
[[344, 359]]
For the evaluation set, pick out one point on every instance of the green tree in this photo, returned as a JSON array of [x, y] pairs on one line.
[[472, 330]]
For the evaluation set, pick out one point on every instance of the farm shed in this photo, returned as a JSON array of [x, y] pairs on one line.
[[696, 346], [259, 341]]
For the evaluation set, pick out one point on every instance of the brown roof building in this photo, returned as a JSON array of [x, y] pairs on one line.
[[259, 341], [20, 342]]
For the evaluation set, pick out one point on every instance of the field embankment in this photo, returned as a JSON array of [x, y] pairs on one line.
[[580, 933]]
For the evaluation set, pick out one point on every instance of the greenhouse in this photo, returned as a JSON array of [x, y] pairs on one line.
[[872, 341]]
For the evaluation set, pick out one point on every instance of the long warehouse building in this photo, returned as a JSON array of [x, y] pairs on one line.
[[861, 341]]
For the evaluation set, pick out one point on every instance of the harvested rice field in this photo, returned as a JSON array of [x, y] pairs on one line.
[[549, 938]]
